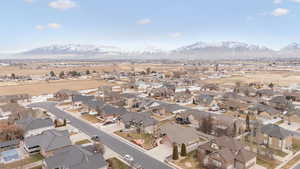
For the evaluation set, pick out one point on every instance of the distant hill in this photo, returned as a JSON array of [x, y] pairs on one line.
[[199, 50]]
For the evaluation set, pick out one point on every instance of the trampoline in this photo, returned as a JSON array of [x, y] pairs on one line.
[[9, 156]]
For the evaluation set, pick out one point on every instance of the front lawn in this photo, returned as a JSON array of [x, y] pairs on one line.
[[189, 162], [296, 145], [292, 162], [267, 163], [147, 139], [91, 118], [80, 142], [115, 163]]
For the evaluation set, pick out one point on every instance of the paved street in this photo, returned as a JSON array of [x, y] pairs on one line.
[[116, 145]]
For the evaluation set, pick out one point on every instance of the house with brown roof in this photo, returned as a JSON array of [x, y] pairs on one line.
[[226, 153]]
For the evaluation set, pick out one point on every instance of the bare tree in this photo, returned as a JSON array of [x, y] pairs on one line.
[[99, 147]]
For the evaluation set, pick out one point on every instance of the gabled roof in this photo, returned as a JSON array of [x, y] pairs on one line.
[[9, 143], [275, 131], [145, 118], [225, 155], [68, 92], [31, 123], [75, 157], [49, 140], [244, 155], [108, 109], [178, 134]]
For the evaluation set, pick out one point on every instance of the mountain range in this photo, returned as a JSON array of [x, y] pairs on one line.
[[199, 50]]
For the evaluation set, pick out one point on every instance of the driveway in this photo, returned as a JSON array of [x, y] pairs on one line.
[[146, 161]]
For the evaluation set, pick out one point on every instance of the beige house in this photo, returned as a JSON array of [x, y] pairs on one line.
[[226, 153], [275, 137]]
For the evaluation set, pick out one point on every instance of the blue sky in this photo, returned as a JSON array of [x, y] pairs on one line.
[[137, 24]]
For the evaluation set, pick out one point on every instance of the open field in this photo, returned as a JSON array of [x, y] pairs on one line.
[[43, 87], [37, 70], [282, 78]]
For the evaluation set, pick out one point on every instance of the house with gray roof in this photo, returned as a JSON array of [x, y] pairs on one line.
[[35, 126], [47, 142], [275, 137], [135, 119], [226, 152], [176, 134], [75, 157]]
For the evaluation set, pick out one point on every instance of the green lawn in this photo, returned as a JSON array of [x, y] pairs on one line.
[[115, 163]]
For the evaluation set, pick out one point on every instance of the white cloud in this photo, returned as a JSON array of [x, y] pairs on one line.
[[297, 1], [29, 1], [280, 12], [277, 1], [39, 27], [54, 25], [175, 35], [62, 4], [144, 21]]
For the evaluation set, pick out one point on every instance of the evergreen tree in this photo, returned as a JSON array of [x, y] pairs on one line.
[[183, 150], [52, 74], [175, 152], [247, 123]]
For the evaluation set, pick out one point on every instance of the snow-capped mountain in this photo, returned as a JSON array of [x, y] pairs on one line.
[[223, 45], [291, 50], [199, 50], [227, 49], [292, 47], [73, 50]]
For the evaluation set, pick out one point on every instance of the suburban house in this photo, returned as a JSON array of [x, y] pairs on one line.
[[176, 134], [203, 99], [34, 126], [47, 142], [14, 98], [143, 120], [281, 103], [65, 94], [275, 137], [182, 97], [11, 144], [226, 153], [75, 157]]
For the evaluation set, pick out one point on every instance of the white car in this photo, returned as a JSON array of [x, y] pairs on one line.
[[128, 158]]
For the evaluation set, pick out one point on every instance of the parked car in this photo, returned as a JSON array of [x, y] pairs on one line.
[[108, 123], [180, 120], [128, 158], [95, 138]]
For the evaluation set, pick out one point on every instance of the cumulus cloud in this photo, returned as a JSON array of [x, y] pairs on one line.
[[277, 1], [280, 12], [54, 25], [28, 1], [39, 27], [144, 21], [62, 4], [298, 1], [175, 35]]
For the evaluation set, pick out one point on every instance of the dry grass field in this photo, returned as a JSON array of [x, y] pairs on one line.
[[281, 78], [43, 87]]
